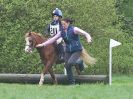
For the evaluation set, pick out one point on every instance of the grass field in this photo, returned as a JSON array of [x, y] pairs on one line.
[[122, 88]]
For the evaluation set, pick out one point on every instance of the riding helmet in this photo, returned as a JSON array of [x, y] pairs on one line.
[[57, 12]]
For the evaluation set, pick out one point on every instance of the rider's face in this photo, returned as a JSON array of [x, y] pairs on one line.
[[55, 17]]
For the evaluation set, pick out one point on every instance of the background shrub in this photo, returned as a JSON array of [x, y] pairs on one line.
[[103, 19]]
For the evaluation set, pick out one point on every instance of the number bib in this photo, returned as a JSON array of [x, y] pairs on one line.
[[54, 29]]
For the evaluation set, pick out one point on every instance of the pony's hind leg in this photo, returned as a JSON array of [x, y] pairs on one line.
[[52, 75]]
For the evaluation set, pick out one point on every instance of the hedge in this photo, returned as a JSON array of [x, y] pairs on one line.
[[98, 17]]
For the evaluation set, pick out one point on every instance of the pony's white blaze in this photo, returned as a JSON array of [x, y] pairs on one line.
[[27, 45]]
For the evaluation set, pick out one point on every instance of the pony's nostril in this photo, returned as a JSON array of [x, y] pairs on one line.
[[29, 50], [26, 50]]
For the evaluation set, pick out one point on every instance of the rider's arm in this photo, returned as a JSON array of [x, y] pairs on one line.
[[52, 40], [59, 40], [82, 32]]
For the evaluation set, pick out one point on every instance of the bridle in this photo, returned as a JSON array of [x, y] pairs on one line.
[[33, 40]]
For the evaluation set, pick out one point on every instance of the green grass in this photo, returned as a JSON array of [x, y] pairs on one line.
[[122, 88]]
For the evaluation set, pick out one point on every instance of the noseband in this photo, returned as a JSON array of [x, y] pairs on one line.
[[34, 41]]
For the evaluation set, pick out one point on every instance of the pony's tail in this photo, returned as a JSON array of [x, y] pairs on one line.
[[87, 58]]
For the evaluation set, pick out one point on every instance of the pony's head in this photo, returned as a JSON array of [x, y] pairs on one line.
[[32, 39]]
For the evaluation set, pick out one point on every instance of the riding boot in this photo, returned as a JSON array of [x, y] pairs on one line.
[[61, 56], [80, 64], [61, 52]]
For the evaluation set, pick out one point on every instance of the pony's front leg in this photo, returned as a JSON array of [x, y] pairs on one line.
[[53, 76], [41, 79], [45, 70]]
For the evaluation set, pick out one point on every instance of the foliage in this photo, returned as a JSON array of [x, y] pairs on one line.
[[98, 17]]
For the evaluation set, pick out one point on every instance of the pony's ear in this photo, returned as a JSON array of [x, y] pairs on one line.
[[30, 33]]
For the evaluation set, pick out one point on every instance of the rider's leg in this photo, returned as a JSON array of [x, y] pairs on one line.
[[80, 64], [77, 61], [71, 61], [68, 69]]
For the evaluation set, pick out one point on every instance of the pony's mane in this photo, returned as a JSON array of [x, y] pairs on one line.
[[34, 33], [39, 34]]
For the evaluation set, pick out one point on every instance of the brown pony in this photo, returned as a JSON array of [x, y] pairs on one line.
[[49, 55]]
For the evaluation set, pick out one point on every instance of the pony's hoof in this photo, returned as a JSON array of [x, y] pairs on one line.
[[55, 82], [40, 83]]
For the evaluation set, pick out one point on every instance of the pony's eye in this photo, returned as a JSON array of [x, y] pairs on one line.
[[30, 41]]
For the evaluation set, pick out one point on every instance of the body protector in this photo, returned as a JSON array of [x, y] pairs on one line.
[[54, 29]]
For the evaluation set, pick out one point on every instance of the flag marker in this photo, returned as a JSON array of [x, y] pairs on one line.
[[112, 44]]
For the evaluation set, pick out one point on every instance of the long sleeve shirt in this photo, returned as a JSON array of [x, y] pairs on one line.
[[76, 31]]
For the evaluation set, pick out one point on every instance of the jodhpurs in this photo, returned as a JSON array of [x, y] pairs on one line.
[[71, 59]]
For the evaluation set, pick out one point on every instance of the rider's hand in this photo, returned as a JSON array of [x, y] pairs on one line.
[[59, 40], [39, 45], [89, 40]]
